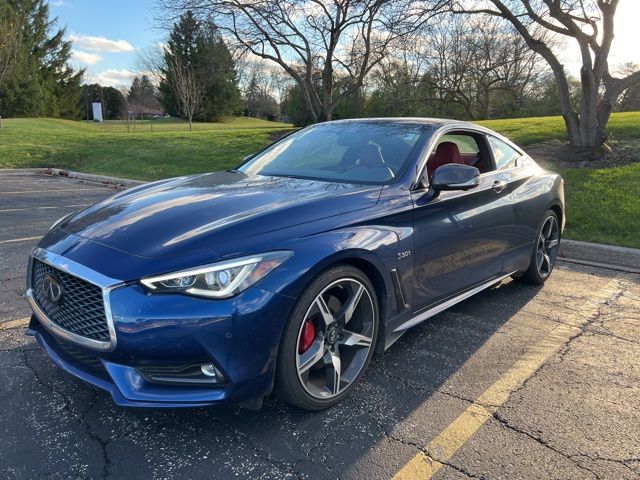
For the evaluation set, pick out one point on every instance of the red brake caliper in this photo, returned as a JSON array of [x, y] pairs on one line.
[[307, 336]]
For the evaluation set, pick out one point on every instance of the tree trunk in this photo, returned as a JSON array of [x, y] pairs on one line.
[[190, 123], [604, 112]]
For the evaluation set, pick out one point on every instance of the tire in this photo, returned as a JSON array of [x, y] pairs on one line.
[[342, 309], [545, 250]]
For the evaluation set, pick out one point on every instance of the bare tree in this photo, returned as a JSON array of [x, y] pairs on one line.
[[630, 100], [473, 60], [396, 79], [326, 47], [189, 92], [150, 61], [590, 23]]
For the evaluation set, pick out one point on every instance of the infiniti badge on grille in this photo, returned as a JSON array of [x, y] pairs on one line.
[[52, 289]]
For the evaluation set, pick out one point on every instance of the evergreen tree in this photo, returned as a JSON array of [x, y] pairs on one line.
[[41, 82], [201, 50], [143, 92], [90, 94], [294, 108], [216, 69], [115, 104], [181, 44]]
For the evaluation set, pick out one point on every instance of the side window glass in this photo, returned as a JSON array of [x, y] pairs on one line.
[[467, 145], [504, 155], [460, 147]]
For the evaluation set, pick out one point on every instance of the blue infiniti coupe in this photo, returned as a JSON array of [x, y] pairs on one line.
[[286, 274]]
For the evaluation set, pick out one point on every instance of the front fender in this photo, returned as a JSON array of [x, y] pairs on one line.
[[377, 247]]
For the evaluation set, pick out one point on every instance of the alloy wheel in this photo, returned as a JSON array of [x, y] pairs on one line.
[[335, 338], [547, 246]]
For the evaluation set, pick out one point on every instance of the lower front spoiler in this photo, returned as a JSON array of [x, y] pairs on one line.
[[129, 389]]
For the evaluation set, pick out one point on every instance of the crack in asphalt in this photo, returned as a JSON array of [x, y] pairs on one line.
[[625, 462], [583, 328], [325, 459], [569, 456], [420, 448], [106, 460], [541, 441], [590, 325], [608, 333], [78, 418], [282, 465]]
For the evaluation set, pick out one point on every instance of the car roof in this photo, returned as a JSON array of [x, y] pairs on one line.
[[415, 120], [436, 123], [425, 121]]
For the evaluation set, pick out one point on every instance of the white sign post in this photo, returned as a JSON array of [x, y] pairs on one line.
[[97, 112]]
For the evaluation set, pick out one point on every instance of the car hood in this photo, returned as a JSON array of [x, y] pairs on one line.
[[179, 216]]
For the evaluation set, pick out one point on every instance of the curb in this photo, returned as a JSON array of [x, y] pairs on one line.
[[600, 255], [24, 171], [87, 177]]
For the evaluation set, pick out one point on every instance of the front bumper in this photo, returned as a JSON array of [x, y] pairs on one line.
[[240, 336]]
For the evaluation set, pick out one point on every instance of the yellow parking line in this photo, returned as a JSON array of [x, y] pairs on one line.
[[424, 465], [24, 239], [21, 322]]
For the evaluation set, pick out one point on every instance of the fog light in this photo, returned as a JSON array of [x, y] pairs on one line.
[[209, 370]]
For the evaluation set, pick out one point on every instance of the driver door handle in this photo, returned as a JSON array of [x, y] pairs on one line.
[[499, 185]]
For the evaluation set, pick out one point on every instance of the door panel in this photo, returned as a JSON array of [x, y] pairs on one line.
[[460, 238]]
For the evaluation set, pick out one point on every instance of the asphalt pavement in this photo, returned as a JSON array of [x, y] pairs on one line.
[[516, 382]]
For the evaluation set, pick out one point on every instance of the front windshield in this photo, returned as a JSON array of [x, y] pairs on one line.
[[353, 152]]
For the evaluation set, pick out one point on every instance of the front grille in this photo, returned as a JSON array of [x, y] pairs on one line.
[[80, 310]]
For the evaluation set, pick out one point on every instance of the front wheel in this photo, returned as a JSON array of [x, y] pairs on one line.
[[545, 250], [329, 339]]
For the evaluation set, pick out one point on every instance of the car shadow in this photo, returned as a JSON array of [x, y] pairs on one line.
[[400, 404]]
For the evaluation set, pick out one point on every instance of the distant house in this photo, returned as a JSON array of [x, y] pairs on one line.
[[137, 111]]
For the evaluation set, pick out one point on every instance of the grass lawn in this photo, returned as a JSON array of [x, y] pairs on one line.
[[602, 205], [167, 151], [525, 131]]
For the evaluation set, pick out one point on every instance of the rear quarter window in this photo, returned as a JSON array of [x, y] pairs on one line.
[[504, 155]]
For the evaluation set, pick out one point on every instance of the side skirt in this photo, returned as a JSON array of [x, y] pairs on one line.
[[431, 311]]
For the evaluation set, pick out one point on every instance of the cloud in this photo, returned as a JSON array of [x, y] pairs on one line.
[[60, 3], [85, 57], [112, 77], [100, 44]]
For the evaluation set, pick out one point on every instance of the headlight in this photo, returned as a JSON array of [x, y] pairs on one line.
[[218, 280]]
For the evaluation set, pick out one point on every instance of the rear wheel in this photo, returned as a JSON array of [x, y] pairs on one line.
[[329, 340], [545, 250]]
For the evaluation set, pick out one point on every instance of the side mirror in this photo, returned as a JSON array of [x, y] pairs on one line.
[[455, 176]]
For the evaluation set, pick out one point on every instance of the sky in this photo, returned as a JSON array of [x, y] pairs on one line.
[[106, 35]]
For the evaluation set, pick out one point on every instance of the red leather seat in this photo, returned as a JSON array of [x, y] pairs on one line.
[[447, 152]]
